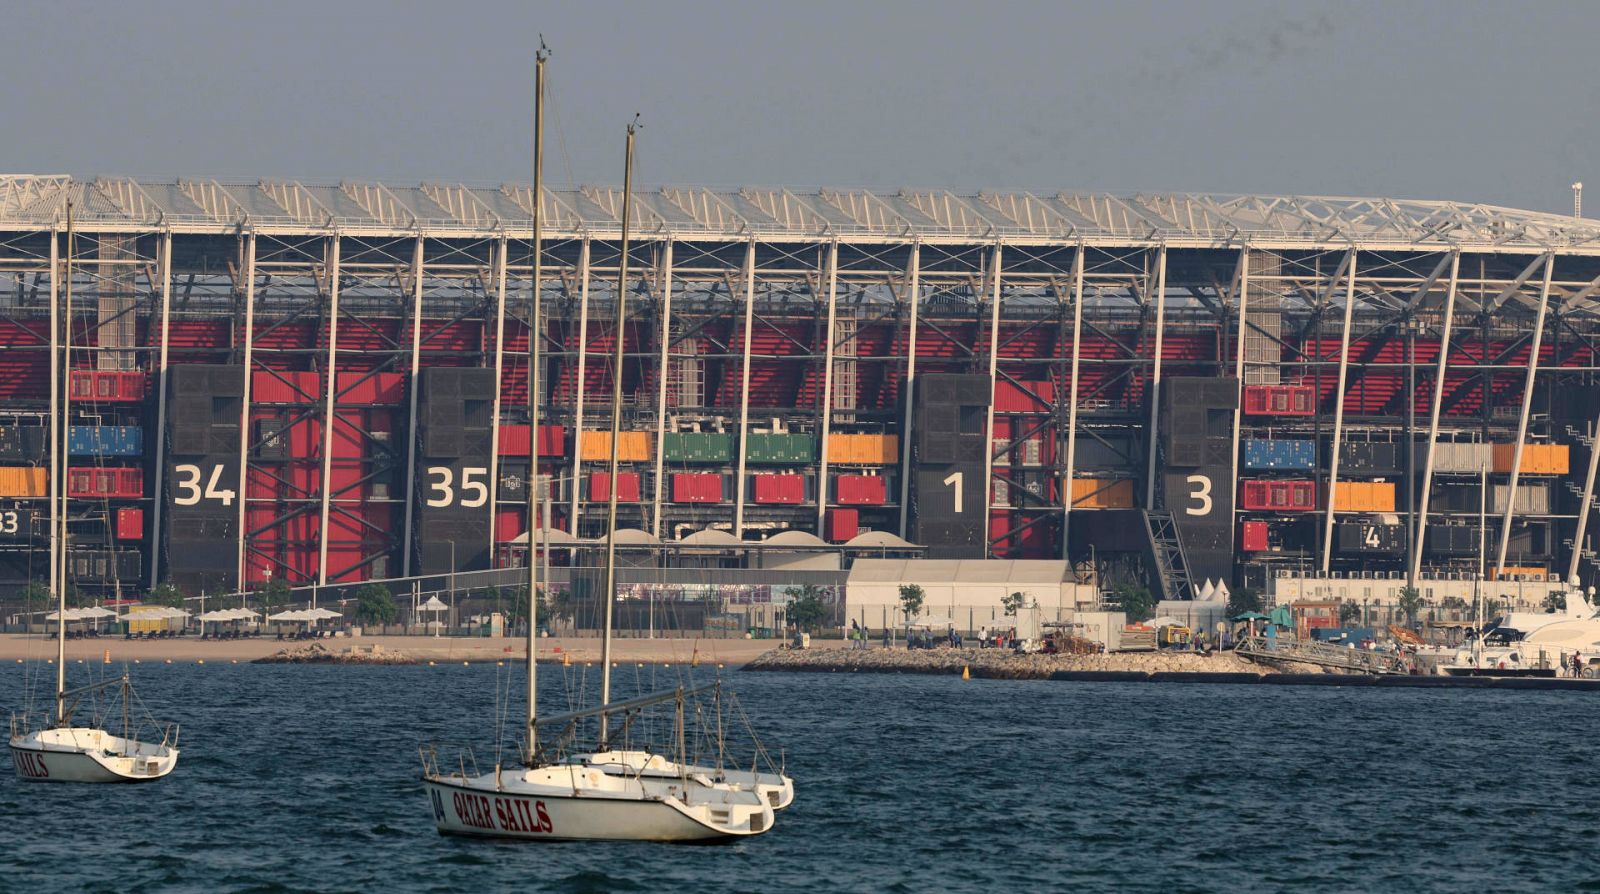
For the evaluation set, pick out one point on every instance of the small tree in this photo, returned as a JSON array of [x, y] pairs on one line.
[[1555, 601], [1491, 608], [556, 606], [274, 595], [168, 595], [911, 599], [515, 605], [1135, 601], [807, 610], [1410, 602], [1012, 603], [375, 605], [35, 597], [1349, 613], [1245, 599]]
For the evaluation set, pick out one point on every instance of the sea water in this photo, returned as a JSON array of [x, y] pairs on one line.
[[305, 778]]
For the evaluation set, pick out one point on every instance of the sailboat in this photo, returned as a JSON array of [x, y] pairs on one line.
[[62, 750], [581, 799]]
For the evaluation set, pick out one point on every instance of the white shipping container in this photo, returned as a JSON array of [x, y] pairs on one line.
[[1455, 457], [1532, 499]]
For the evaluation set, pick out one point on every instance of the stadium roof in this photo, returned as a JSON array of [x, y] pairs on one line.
[[31, 202]]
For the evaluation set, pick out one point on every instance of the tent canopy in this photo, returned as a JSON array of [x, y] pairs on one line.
[[433, 605]]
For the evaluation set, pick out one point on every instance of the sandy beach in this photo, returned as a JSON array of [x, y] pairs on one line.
[[16, 646]]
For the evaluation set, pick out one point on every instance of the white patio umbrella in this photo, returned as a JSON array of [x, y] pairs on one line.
[[433, 605], [295, 615]]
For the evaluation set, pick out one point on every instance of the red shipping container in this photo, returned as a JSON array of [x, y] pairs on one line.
[[840, 525], [1024, 397], [105, 386], [371, 388], [97, 483], [1253, 536], [130, 524], [514, 440], [627, 487], [1280, 400], [780, 489], [861, 490], [696, 487], [282, 387], [1279, 496]]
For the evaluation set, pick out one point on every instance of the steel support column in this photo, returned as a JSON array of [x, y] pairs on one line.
[[661, 386], [577, 403], [1414, 567], [244, 412], [832, 288], [907, 427], [1241, 332], [1070, 472], [329, 418], [501, 249], [410, 509], [1522, 418], [161, 407], [1338, 405], [744, 393], [994, 369], [1155, 377]]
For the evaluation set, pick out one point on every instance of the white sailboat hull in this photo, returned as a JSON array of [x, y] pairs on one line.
[[84, 754], [536, 806]]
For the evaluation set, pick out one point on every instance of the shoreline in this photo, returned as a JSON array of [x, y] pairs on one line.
[[27, 648]]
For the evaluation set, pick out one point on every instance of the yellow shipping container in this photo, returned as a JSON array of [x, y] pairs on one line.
[[1509, 572], [632, 447], [865, 450], [1363, 496], [1102, 493], [24, 482], [1537, 459]]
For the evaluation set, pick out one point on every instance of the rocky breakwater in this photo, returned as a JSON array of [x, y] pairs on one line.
[[1006, 665], [316, 653]]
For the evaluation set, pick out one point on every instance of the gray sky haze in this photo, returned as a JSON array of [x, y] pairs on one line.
[[1473, 101]]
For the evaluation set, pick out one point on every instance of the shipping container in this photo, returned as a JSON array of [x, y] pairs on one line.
[[632, 447], [1370, 537], [696, 487], [628, 488], [1533, 498], [1024, 397], [1093, 454], [107, 386], [105, 440], [1460, 457], [1363, 496], [779, 489], [105, 483], [1531, 572], [780, 448], [1279, 455], [1453, 540], [839, 525], [130, 523], [688, 447], [23, 443], [861, 490], [1278, 496], [1537, 459], [1253, 536], [24, 482], [863, 450], [1374, 458], [1280, 400], [1102, 493], [514, 440]]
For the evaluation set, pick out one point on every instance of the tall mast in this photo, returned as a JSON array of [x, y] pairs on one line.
[[60, 459], [534, 319], [620, 337]]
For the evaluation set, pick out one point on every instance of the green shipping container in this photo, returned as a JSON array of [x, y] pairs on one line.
[[697, 447], [778, 449]]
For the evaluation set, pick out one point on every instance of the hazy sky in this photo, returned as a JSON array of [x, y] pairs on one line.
[[1496, 101]]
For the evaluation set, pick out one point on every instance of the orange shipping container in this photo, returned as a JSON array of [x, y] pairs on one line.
[[632, 447], [1537, 459], [1102, 493], [24, 482], [867, 450], [1363, 496]]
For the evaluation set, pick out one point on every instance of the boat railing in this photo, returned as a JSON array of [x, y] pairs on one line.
[[462, 757]]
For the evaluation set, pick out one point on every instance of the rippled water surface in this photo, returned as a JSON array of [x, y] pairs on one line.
[[305, 778]]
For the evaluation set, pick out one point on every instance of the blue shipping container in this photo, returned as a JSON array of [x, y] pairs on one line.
[[105, 440], [1293, 456]]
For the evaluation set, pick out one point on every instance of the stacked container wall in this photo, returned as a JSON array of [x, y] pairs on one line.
[[1537, 459], [1363, 496], [632, 446], [1279, 455]]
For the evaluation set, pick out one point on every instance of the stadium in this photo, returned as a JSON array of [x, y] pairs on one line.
[[326, 384]]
